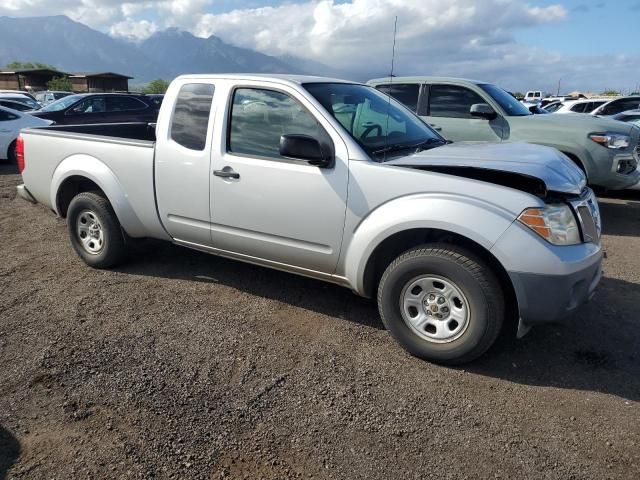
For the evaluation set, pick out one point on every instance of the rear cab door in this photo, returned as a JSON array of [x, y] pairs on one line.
[[280, 210], [183, 160]]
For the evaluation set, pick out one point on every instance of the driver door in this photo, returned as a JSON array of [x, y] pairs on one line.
[[89, 110], [268, 207]]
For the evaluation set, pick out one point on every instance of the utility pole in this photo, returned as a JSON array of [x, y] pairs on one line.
[[558, 92]]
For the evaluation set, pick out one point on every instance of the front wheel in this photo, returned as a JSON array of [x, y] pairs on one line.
[[441, 303], [95, 231]]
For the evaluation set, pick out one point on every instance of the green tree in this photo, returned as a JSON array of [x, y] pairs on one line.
[[610, 93], [518, 95], [60, 84], [17, 65], [157, 86]]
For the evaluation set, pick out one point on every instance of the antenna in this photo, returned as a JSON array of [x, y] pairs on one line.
[[393, 57]]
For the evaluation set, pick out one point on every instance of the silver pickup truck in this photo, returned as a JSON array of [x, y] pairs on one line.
[[337, 181]]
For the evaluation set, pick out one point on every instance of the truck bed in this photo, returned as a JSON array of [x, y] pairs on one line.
[[111, 132], [118, 157]]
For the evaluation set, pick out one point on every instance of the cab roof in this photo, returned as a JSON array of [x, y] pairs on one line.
[[282, 77], [425, 79]]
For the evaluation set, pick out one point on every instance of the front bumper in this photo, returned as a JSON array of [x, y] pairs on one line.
[[608, 162], [549, 298], [25, 194], [550, 281]]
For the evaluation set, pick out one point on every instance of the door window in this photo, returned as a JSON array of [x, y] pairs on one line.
[[621, 105], [579, 107], [6, 116], [260, 117], [452, 101], [124, 104], [405, 93], [90, 105], [190, 120]]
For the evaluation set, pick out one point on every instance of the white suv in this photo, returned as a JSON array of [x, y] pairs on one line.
[[585, 105]]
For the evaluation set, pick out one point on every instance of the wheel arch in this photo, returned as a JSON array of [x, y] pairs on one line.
[[81, 173], [576, 159], [394, 245]]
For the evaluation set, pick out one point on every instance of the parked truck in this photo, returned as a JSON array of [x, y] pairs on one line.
[[336, 181], [470, 110]]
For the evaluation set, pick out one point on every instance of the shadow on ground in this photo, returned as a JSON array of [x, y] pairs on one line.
[[621, 213], [163, 259], [8, 169], [9, 452], [595, 350]]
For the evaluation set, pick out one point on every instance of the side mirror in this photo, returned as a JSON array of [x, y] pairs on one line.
[[304, 147], [483, 110]]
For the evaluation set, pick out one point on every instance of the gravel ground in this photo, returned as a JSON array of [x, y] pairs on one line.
[[184, 365]]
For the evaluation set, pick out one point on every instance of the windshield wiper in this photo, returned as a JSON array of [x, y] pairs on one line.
[[418, 147]]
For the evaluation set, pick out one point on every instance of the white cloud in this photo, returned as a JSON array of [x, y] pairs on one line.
[[133, 30], [473, 38], [358, 36]]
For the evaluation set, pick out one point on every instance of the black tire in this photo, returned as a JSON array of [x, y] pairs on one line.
[[11, 154], [112, 250], [473, 278]]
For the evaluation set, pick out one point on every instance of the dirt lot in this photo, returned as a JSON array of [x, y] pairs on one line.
[[183, 365]]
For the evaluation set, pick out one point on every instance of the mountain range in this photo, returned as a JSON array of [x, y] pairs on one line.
[[74, 47]]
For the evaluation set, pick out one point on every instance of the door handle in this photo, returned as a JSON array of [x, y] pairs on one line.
[[435, 127], [226, 172]]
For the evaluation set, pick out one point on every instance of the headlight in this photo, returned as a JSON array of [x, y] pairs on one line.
[[555, 223], [611, 140]]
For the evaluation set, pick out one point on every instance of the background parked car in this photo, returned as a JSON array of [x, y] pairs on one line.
[[630, 116], [551, 107], [618, 105], [467, 110], [156, 98], [533, 96], [45, 98], [100, 108], [578, 106], [13, 105], [21, 92], [11, 121], [20, 98]]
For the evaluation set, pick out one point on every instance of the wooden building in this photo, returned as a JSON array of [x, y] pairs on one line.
[[99, 82], [35, 80], [31, 80]]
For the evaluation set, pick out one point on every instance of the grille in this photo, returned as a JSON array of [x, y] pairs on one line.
[[589, 229], [589, 217]]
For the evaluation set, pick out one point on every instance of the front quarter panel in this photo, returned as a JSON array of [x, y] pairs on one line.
[[399, 199]]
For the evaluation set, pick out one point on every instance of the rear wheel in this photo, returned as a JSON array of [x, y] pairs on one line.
[[11, 154], [95, 231], [441, 303]]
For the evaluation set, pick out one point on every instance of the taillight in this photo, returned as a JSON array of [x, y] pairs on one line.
[[20, 153]]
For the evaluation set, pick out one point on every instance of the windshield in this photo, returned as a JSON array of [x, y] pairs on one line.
[[61, 104], [511, 106], [378, 123]]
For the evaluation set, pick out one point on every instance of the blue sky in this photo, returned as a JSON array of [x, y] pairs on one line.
[[592, 27]]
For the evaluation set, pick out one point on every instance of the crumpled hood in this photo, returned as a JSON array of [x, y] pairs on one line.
[[555, 170]]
